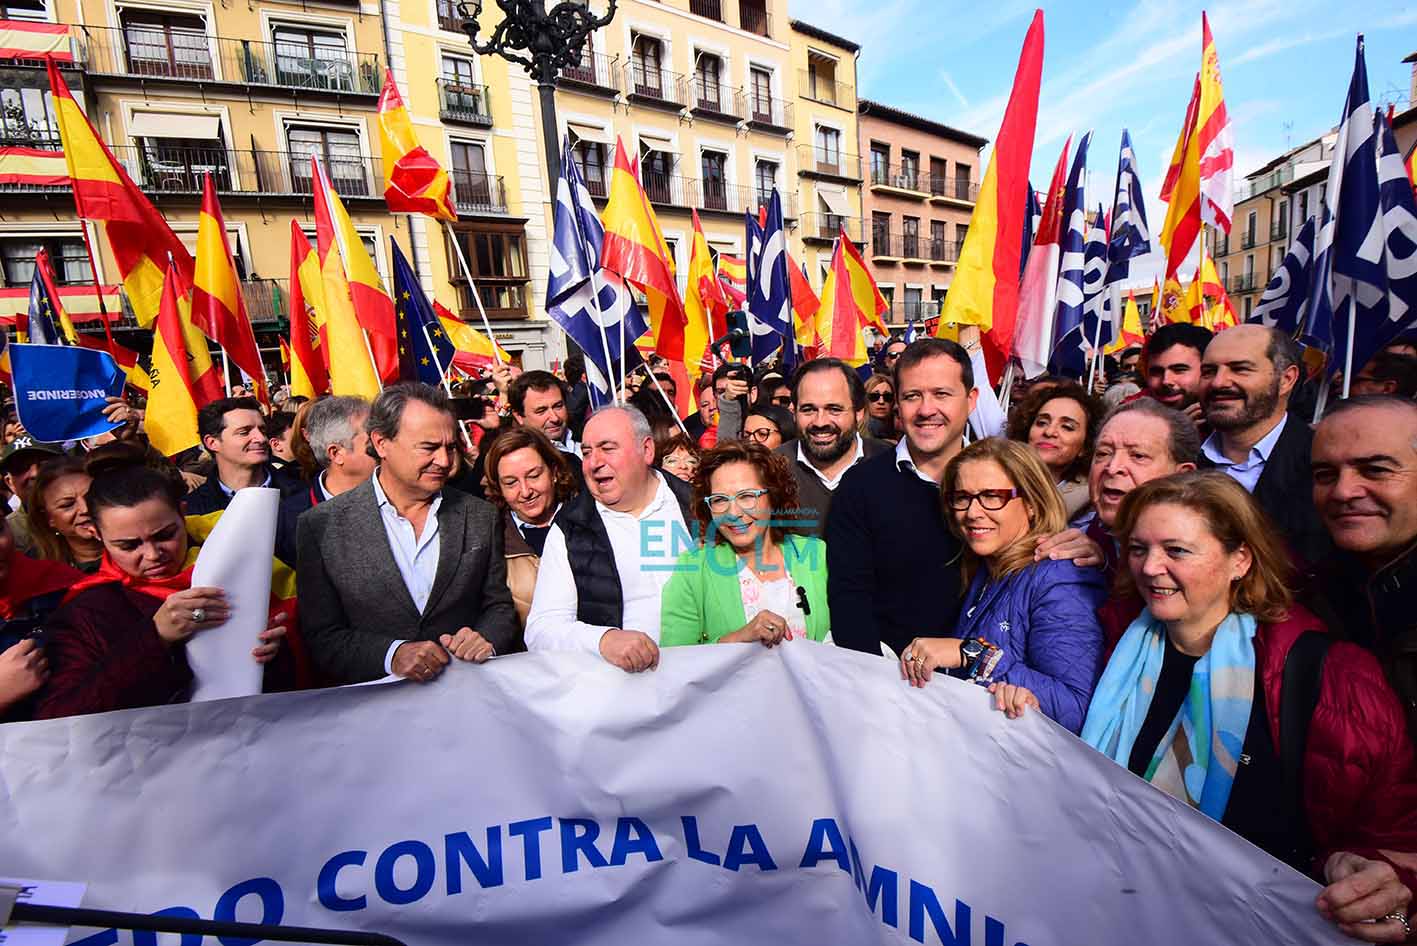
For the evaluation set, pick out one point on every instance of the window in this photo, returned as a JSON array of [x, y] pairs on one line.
[[1303, 207], [937, 240], [179, 164], [1249, 307], [880, 233], [962, 185], [166, 44], [910, 237], [828, 150], [27, 118], [761, 85], [765, 180], [914, 303], [1250, 228], [753, 16], [310, 59], [909, 170], [448, 18], [961, 231], [657, 170], [590, 160], [938, 172], [708, 91], [31, 10], [646, 55], [1250, 266], [461, 92], [472, 186], [821, 78], [1224, 273], [714, 165], [880, 163], [497, 257], [71, 263], [338, 149]]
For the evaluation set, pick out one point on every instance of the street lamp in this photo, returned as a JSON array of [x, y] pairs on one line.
[[543, 42]]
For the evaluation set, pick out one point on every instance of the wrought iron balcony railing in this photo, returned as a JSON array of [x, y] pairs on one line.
[[464, 102]]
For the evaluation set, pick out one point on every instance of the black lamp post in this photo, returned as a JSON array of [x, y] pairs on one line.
[[543, 42]]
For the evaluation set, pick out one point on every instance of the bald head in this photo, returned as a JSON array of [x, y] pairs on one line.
[[618, 456]]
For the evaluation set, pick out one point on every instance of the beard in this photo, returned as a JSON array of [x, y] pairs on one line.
[[1252, 409], [832, 452]]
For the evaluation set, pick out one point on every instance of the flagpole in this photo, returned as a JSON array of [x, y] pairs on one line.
[[226, 371], [443, 376], [621, 322], [471, 286], [672, 409], [97, 286]]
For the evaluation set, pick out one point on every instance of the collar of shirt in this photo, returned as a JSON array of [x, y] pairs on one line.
[[231, 492], [383, 501], [907, 465], [1258, 455], [567, 444], [832, 483], [521, 523], [320, 482]]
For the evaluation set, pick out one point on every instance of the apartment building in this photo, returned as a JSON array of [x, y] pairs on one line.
[[825, 142], [923, 181], [701, 92]]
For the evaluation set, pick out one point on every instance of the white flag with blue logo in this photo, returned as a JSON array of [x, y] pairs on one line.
[[1285, 303], [770, 285], [1069, 356]]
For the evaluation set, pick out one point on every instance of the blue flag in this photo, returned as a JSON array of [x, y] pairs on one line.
[[425, 354], [770, 285], [1398, 216], [1096, 313], [1284, 304], [1068, 357], [593, 306], [1031, 212], [1131, 237], [61, 390], [42, 313]]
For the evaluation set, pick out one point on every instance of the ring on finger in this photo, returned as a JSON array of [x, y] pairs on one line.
[[1400, 917]]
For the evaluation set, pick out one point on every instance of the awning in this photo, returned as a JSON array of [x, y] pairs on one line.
[[589, 133], [174, 125], [834, 200], [650, 142]]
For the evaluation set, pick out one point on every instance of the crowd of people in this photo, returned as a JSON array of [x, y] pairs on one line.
[[1175, 563]]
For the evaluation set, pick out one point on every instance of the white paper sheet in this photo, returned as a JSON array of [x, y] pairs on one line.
[[50, 893], [237, 559]]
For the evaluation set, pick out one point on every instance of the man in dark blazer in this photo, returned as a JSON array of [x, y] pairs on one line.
[[399, 573], [1247, 376]]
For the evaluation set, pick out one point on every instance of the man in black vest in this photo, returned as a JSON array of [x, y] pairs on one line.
[[611, 549]]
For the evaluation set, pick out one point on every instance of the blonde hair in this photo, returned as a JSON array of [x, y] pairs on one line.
[[1236, 521], [1046, 513]]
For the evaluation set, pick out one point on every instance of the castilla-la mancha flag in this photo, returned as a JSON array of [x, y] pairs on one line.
[[414, 181], [986, 282]]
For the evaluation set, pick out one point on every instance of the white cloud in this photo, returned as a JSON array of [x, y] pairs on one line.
[[950, 84]]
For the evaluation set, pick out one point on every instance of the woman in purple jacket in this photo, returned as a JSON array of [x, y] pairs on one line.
[[1028, 630]]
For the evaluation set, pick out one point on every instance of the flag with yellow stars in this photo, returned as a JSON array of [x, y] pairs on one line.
[[425, 354]]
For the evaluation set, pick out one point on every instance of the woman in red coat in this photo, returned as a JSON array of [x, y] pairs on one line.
[[1194, 693], [118, 641]]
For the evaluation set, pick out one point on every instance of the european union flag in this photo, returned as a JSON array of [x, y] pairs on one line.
[[424, 350], [42, 313]]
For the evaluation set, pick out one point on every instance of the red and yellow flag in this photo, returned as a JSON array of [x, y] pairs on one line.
[[1214, 139], [34, 167], [1207, 303], [171, 418], [1181, 191], [20, 39], [1132, 334], [849, 301], [414, 182], [805, 306], [370, 303], [138, 235], [218, 307], [705, 307], [309, 376], [475, 350], [985, 287]]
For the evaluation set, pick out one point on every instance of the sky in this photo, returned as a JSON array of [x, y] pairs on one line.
[[1285, 66]]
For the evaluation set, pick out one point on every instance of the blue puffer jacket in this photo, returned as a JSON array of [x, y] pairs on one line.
[[1045, 619]]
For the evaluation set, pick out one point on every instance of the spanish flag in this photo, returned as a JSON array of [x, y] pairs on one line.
[[309, 376], [986, 282], [1132, 334], [138, 235], [805, 306], [475, 351], [171, 419], [352, 285], [218, 307], [1207, 302], [35, 167], [1181, 191], [1172, 304], [850, 300], [705, 307], [414, 182]]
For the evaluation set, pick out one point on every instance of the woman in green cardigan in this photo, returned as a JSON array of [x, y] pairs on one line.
[[749, 580]]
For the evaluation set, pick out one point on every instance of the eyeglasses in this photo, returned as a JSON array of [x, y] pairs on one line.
[[991, 499], [886, 396], [761, 435], [782, 400], [747, 500]]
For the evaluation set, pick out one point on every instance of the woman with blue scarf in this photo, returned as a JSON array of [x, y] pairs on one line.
[[1193, 697]]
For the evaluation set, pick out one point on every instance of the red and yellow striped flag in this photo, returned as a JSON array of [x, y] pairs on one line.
[[34, 167], [138, 235], [218, 307], [414, 182], [23, 40], [352, 369], [986, 282], [475, 351], [309, 376], [705, 307], [849, 301], [1132, 335], [171, 419], [805, 306]]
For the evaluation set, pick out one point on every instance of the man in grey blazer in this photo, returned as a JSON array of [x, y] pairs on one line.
[[399, 573]]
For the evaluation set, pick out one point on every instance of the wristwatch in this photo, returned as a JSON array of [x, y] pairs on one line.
[[979, 658]]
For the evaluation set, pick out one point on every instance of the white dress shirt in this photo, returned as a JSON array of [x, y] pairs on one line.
[[231, 492], [415, 556], [832, 482], [567, 443], [645, 546], [905, 464], [1248, 472]]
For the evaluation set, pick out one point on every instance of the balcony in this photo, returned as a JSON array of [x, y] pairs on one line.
[[464, 103], [909, 247], [899, 179], [651, 86], [827, 91], [1278, 231], [147, 55], [594, 73], [942, 252], [1247, 240], [1222, 246], [478, 193], [711, 99], [813, 161], [448, 17], [712, 9], [902, 313], [1243, 283], [266, 299], [715, 196], [823, 228], [948, 189], [668, 189], [754, 18], [765, 112]]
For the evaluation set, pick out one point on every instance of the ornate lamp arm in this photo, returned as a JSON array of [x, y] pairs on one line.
[[543, 42]]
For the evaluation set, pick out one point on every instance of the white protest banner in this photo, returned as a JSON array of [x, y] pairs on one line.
[[235, 558], [734, 796]]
